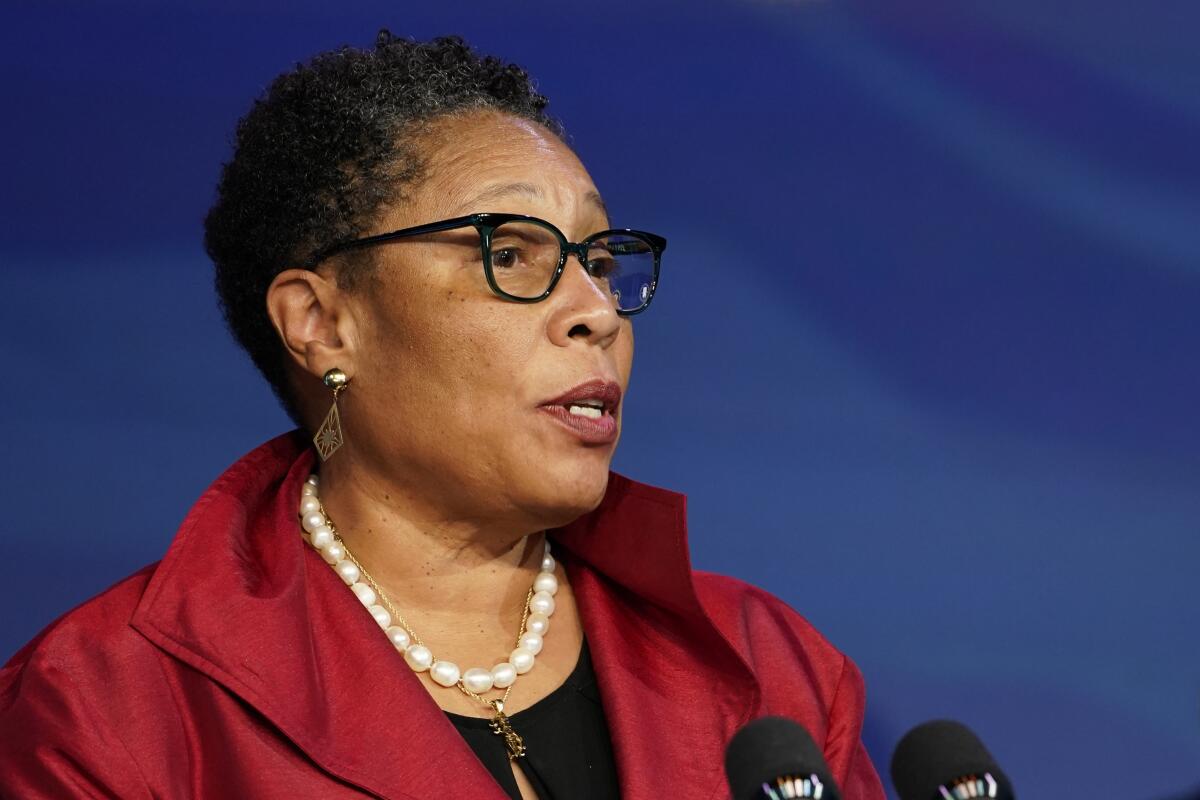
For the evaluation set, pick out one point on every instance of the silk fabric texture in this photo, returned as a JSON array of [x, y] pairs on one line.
[[240, 666]]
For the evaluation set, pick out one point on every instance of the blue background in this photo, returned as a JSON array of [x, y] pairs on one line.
[[923, 356]]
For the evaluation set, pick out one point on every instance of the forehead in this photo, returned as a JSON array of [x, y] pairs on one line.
[[488, 161]]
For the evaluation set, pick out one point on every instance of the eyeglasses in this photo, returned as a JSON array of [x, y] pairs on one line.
[[523, 257]]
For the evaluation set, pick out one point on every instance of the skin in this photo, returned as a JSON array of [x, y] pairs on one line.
[[449, 472]]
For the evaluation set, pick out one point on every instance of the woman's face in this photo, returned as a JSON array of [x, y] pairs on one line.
[[459, 395]]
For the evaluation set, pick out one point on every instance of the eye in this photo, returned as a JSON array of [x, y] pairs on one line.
[[602, 266], [506, 257]]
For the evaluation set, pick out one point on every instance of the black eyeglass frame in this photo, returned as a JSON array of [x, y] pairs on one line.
[[485, 223]]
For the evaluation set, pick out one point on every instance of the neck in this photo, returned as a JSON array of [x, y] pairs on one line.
[[459, 581], [434, 563]]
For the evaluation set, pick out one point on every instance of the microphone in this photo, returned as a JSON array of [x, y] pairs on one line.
[[945, 760], [776, 758]]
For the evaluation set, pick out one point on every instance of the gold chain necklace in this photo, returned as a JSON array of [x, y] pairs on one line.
[[320, 532], [499, 722]]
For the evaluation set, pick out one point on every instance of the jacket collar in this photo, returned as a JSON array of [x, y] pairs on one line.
[[239, 597], [674, 689]]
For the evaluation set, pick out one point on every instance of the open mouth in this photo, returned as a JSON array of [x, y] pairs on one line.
[[589, 410]]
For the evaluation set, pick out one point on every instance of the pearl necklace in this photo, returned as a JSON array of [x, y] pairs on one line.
[[319, 531]]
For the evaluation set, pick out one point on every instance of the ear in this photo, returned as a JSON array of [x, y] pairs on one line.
[[313, 320]]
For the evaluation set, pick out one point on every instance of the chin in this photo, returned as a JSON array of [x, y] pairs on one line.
[[574, 493]]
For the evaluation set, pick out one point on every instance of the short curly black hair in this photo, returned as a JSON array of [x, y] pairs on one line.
[[322, 150]]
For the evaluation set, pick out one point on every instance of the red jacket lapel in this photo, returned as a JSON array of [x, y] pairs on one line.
[[242, 599]]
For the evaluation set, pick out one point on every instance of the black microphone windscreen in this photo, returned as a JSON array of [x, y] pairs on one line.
[[938, 753], [769, 748]]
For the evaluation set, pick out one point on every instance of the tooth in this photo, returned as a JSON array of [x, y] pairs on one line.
[[585, 411]]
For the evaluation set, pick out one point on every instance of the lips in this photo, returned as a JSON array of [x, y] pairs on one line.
[[607, 393], [588, 410]]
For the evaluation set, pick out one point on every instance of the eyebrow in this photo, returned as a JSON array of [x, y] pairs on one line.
[[528, 190]]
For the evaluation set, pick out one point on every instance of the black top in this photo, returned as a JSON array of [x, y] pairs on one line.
[[567, 750]]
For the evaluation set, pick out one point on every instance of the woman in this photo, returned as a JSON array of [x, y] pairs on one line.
[[440, 590]]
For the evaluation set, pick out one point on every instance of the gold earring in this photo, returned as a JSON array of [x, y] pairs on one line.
[[329, 436]]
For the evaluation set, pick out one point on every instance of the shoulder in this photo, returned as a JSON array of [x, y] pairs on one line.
[[760, 625], [796, 667], [731, 598], [91, 630], [800, 674], [65, 698]]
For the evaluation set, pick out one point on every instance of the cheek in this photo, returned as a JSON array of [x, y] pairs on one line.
[[455, 355], [623, 351]]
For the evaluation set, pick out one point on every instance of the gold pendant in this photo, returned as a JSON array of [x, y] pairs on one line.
[[329, 435], [500, 727]]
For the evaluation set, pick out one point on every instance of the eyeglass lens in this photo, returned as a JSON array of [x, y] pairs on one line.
[[525, 256]]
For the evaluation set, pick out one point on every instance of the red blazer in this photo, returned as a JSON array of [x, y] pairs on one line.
[[240, 666]]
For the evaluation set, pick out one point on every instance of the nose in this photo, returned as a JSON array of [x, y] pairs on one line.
[[582, 309]]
